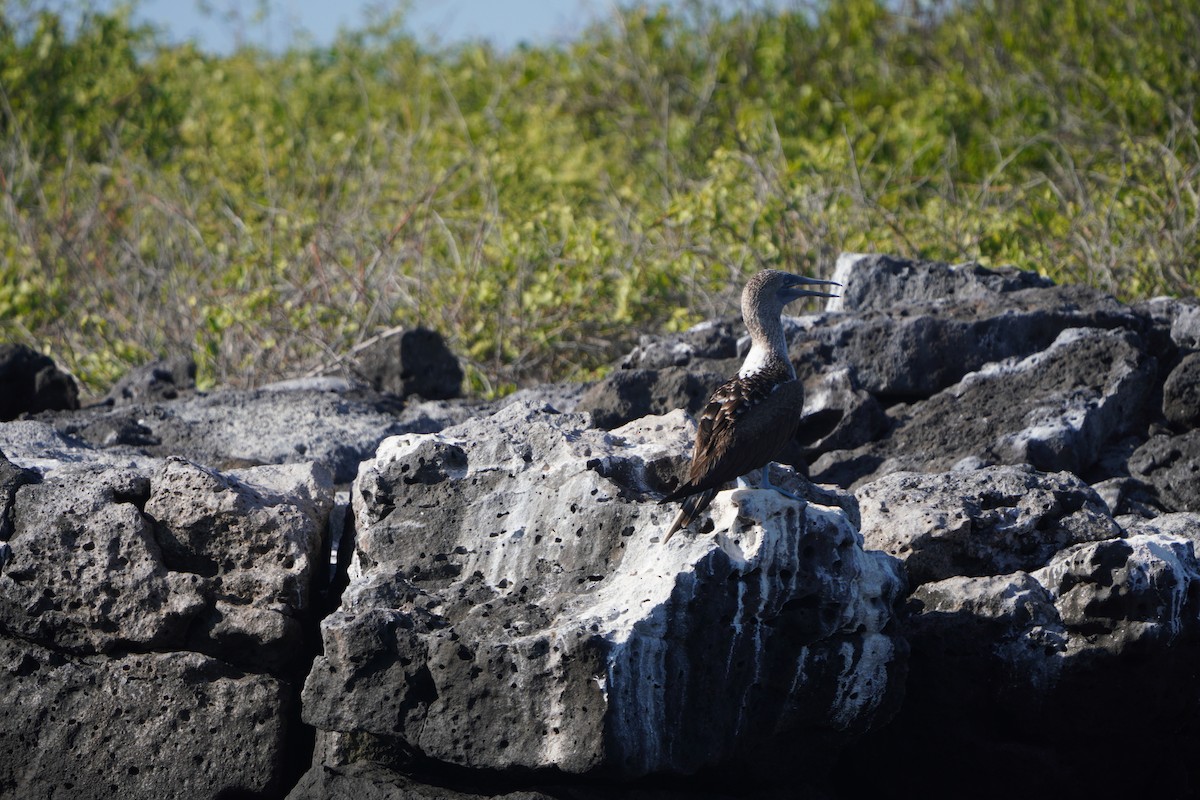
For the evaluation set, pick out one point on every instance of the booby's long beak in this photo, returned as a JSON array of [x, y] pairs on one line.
[[793, 291]]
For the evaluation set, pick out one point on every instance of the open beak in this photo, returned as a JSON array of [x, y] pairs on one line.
[[794, 292]]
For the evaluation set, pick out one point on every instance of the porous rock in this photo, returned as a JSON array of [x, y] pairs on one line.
[[229, 429], [1181, 393], [513, 606], [877, 282], [982, 522], [628, 394], [137, 725], [1171, 464], [31, 382], [163, 379], [1055, 410]]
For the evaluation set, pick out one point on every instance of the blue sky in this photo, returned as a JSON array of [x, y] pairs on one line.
[[504, 22]]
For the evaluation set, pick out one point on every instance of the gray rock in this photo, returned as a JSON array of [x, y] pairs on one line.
[[138, 725], [31, 382], [164, 379], [108, 559], [411, 362], [1185, 326], [699, 345], [1171, 464], [883, 282], [991, 521], [912, 351], [37, 446], [512, 606], [628, 394], [232, 428], [1181, 393], [1055, 410], [12, 477]]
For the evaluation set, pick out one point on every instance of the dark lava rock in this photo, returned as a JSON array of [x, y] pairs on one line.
[[411, 362], [31, 382], [1171, 464], [164, 379], [1181, 393]]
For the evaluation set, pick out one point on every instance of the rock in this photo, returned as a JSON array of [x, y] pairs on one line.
[[985, 522], [716, 341], [411, 362], [1020, 668], [883, 283], [152, 628], [1185, 327], [109, 559], [1055, 410], [12, 478], [163, 379], [628, 394], [511, 606], [233, 428], [911, 352], [370, 781], [1171, 464], [838, 414], [30, 382], [137, 725], [1181, 393]]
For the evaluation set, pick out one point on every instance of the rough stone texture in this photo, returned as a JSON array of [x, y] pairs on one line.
[[1056, 410], [912, 352], [513, 606], [411, 362], [883, 282], [1171, 464], [164, 379], [1181, 393], [138, 725], [985, 522], [12, 478], [1185, 326], [628, 394], [30, 382], [231, 429], [153, 623]]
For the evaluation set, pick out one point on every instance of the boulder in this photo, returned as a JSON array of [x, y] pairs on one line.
[[884, 283], [1181, 393], [12, 478], [512, 606], [154, 624], [137, 725], [1171, 464], [983, 522], [410, 362], [628, 394], [910, 352], [1055, 410], [164, 379], [31, 382]]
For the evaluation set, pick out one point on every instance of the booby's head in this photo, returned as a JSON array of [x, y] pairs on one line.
[[769, 291]]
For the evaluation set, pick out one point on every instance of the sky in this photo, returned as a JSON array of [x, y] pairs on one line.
[[505, 22]]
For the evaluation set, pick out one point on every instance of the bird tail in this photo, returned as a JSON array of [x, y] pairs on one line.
[[689, 509]]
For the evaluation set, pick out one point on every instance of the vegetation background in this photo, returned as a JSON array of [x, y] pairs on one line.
[[541, 206]]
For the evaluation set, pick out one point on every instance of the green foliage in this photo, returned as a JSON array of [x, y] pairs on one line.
[[540, 207]]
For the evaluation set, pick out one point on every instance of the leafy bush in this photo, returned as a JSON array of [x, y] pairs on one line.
[[540, 207]]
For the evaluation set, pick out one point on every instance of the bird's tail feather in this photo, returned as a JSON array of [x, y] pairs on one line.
[[689, 509]]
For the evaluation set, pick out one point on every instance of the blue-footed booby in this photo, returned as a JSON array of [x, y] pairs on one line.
[[748, 420]]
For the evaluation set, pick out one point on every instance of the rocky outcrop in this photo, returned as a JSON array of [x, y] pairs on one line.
[[514, 607], [153, 623], [996, 562]]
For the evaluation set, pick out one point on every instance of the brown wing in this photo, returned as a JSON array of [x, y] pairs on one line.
[[746, 423]]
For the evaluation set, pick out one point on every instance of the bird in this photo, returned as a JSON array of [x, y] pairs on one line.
[[749, 419]]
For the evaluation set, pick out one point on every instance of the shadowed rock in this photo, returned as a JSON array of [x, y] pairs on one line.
[[31, 382]]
